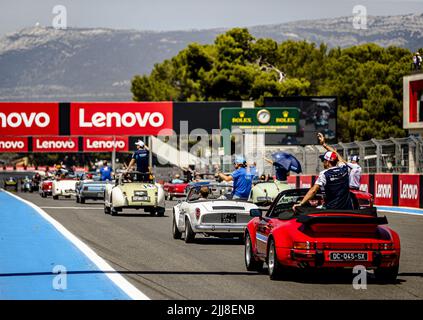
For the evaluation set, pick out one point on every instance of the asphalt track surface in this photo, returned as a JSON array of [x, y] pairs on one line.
[[142, 249]]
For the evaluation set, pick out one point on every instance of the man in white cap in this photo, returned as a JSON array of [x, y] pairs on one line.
[[355, 172], [141, 158], [417, 61]]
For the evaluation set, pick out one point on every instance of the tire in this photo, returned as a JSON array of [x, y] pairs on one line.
[[161, 212], [387, 275], [275, 268], [170, 198], [113, 211], [77, 199], [250, 262], [106, 209], [56, 197], [82, 200], [189, 233], [175, 232], [43, 195]]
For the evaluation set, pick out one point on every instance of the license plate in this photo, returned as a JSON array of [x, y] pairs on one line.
[[228, 218], [138, 198], [348, 256]]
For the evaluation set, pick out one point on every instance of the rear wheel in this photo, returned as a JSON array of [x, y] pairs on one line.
[[106, 209], [161, 212], [175, 231], [250, 262], [43, 195], [387, 275], [189, 233], [275, 268]]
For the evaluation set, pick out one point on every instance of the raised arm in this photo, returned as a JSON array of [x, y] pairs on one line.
[[329, 148]]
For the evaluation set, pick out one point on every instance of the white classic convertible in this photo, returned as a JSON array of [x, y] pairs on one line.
[[128, 192], [208, 209]]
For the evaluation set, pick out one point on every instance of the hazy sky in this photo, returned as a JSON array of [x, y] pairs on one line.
[[187, 14]]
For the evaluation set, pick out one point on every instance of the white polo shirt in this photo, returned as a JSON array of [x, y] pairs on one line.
[[355, 174]]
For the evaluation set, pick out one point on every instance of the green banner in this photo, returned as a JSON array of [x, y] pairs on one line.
[[268, 120]]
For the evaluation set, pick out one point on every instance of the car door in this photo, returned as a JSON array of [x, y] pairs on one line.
[[265, 227]]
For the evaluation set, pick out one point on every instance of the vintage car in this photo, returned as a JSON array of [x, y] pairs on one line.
[[173, 190], [314, 237], [264, 192], [10, 183], [46, 187], [64, 187], [129, 193], [217, 215], [90, 189]]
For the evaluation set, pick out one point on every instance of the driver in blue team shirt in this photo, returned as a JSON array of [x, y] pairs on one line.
[[334, 179], [242, 179], [141, 158]]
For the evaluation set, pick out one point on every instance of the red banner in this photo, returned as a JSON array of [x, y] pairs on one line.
[[126, 118], [105, 144], [305, 181], [409, 190], [13, 144], [365, 183], [55, 144], [384, 189], [29, 119], [292, 181]]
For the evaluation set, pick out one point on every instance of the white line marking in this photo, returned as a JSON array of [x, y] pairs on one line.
[[111, 273], [73, 208]]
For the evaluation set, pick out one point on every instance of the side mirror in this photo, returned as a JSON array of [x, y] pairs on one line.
[[255, 213]]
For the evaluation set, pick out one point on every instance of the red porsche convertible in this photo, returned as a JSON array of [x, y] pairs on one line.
[[314, 237]]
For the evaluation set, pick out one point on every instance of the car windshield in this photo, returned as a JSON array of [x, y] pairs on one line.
[[282, 208], [210, 192]]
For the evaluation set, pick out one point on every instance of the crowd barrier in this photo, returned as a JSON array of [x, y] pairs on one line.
[[403, 190]]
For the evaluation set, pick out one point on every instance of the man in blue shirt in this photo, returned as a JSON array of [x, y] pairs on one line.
[[106, 172], [141, 158], [241, 178]]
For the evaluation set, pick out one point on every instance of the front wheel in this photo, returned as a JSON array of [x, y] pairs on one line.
[[250, 262], [275, 268]]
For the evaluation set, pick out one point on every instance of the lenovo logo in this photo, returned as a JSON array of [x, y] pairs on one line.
[[17, 119], [105, 144], [383, 191], [117, 120], [409, 191], [15, 145], [46, 144]]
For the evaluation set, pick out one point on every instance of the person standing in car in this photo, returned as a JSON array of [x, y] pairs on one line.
[[242, 180], [141, 158], [334, 179]]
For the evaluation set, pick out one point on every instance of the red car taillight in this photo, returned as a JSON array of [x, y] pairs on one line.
[[304, 245], [197, 213]]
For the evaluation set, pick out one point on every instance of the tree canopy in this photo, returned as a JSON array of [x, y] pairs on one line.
[[366, 78]]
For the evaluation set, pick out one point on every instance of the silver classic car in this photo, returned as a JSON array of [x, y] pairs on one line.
[[91, 188], [210, 210]]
